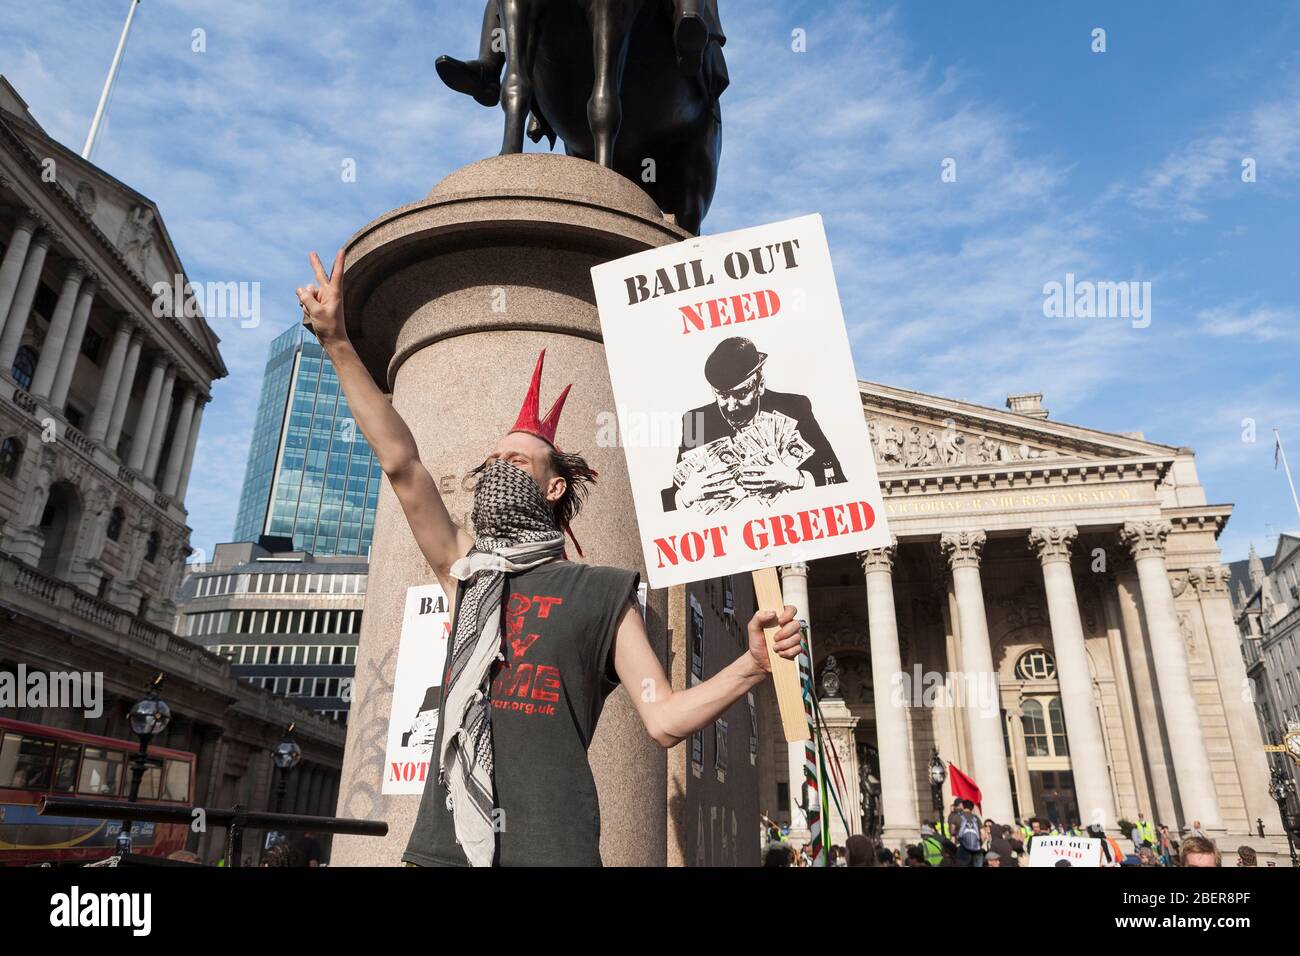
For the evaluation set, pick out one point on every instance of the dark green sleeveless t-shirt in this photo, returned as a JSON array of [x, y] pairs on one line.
[[557, 629]]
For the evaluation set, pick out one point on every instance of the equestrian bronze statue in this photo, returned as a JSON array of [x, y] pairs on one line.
[[630, 84]]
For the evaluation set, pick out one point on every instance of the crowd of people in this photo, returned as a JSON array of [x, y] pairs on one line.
[[962, 838]]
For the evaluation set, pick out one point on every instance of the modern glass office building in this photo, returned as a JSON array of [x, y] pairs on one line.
[[311, 475]]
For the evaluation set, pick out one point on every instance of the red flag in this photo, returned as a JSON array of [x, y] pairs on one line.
[[963, 787]]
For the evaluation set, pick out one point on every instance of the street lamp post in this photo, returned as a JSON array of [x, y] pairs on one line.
[[287, 754], [149, 718], [1281, 788], [937, 777]]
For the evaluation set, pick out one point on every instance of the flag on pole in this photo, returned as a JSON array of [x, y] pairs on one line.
[[963, 787], [1277, 448], [812, 778]]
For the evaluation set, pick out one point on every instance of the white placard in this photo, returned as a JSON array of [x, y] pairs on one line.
[[417, 689], [1064, 851], [737, 403]]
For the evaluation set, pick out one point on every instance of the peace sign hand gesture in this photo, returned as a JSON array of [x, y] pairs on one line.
[[322, 306]]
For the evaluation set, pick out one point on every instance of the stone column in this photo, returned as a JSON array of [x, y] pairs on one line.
[[72, 345], [1087, 746], [1124, 677], [1146, 697], [122, 399], [963, 550], [161, 421], [840, 726], [55, 338], [313, 791], [183, 484], [794, 591], [180, 443], [1020, 761], [24, 295], [15, 255], [148, 413], [897, 774], [97, 427], [1146, 540], [464, 287], [1212, 584]]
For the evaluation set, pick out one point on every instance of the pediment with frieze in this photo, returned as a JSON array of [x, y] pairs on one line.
[[913, 432]]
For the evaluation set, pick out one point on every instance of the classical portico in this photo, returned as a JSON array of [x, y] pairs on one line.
[[1051, 618]]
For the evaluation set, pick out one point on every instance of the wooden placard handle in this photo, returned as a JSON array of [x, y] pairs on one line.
[[785, 673]]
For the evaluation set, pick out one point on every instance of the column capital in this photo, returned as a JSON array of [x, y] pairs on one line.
[[77, 269], [963, 548], [879, 559], [794, 567], [1145, 539], [1210, 581], [43, 237], [1053, 543], [29, 220]]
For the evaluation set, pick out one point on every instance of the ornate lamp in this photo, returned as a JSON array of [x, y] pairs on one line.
[[287, 755], [1281, 788], [938, 774], [149, 718]]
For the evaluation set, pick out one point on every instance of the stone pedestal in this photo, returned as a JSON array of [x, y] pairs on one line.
[[449, 301], [840, 724]]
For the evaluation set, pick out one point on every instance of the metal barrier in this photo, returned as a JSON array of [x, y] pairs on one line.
[[235, 819]]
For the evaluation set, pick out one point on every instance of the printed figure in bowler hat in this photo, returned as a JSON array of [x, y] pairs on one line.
[[749, 441]]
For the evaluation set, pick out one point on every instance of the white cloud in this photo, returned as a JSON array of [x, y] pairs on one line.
[[1259, 323], [1210, 167]]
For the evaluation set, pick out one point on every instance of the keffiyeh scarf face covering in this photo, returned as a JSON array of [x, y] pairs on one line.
[[515, 531]]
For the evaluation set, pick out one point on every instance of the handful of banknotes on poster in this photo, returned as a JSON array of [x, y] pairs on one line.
[[769, 438]]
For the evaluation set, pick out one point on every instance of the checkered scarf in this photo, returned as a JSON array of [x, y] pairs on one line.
[[515, 532]]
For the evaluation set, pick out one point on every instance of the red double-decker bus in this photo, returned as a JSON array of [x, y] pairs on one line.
[[37, 760]]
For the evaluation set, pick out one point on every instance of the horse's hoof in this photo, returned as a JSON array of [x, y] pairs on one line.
[[469, 77]]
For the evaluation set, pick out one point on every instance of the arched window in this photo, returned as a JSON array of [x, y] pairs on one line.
[[59, 524], [115, 522], [1056, 714], [1036, 664], [1035, 729], [151, 553], [25, 366], [11, 453]]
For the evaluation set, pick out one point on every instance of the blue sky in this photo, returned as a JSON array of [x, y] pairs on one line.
[[1115, 166]]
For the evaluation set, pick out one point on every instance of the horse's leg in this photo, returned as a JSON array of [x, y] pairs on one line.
[[699, 171], [518, 19], [611, 26]]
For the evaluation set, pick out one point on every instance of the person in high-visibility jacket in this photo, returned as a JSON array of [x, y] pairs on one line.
[[932, 846], [1145, 830]]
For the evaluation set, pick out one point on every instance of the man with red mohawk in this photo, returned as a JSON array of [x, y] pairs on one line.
[[537, 643]]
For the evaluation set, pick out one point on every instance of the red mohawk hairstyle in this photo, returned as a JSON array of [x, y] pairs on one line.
[[529, 420], [575, 471]]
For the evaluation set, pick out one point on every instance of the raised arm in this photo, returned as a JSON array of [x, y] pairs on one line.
[[670, 716], [440, 539]]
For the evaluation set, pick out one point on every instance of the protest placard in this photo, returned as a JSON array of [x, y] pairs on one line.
[[738, 408], [1064, 851], [417, 689]]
